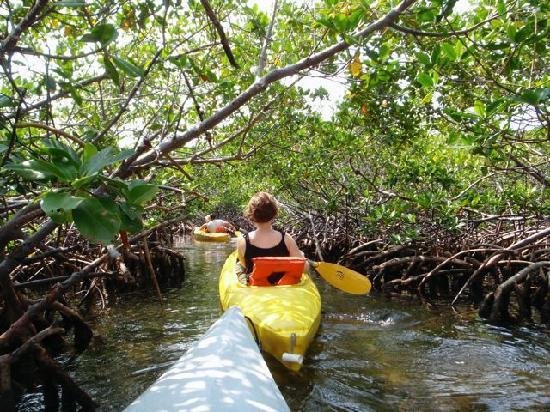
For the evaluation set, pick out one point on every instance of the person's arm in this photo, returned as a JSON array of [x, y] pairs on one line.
[[294, 250], [229, 227], [241, 248]]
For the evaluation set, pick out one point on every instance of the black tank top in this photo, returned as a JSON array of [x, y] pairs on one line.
[[279, 250]]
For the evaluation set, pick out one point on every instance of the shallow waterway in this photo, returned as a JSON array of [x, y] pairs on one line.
[[370, 353]]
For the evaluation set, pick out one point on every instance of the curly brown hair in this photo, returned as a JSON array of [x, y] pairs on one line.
[[261, 208]]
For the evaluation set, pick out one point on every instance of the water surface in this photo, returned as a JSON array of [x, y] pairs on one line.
[[371, 353]]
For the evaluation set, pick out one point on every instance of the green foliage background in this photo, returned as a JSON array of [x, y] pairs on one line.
[[446, 111]]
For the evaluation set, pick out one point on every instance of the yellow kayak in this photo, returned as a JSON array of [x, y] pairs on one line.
[[201, 235], [285, 318]]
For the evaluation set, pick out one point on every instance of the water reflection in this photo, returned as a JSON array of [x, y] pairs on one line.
[[370, 353]]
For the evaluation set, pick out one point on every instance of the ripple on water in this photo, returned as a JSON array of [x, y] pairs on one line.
[[496, 370]]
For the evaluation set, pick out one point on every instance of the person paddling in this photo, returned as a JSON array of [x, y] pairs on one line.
[[265, 241], [217, 226]]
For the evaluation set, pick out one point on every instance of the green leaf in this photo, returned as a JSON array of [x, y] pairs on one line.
[[449, 50], [534, 96], [423, 58], [130, 216], [459, 116], [5, 101], [382, 76], [128, 67], [495, 106], [435, 54], [111, 70], [384, 52], [479, 108], [427, 99], [118, 185], [353, 19], [35, 170], [67, 171], [501, 8], [88, 152], [340, 22], [425, 80], [140, 193], [60, 153], [511, 30], [327, 22], [524, 33], [83, 181], [101, 159], [459, 49], [55, 203], [103, 33], [425, 15], [97, 219]]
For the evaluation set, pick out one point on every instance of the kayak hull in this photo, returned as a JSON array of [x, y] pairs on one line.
[[203, 236], [285, 318]]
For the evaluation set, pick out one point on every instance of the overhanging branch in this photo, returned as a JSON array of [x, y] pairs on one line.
[[259, 86]]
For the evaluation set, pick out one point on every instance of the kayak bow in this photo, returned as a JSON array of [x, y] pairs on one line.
[[223, 371]]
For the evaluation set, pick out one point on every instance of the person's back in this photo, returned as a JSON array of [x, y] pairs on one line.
[[264, 244], [264, 241], [215, 225]]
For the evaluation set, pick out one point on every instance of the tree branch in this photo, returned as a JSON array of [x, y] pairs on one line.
[[257, 87], [124, 106], [52, 130], [60, 95], [223, 38], [8, 43], [267, 42], [26, 50]]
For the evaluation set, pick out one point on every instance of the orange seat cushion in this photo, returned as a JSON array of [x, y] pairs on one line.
[[275, 271]]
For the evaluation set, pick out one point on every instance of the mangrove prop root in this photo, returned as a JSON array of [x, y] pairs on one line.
[[499, 309], [49, 368], [488, 265], [152, 273], [29, 326]]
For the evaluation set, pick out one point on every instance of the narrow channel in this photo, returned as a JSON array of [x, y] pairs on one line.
[[371, 353]]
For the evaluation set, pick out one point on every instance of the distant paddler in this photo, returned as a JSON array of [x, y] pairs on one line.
[[213, 225]]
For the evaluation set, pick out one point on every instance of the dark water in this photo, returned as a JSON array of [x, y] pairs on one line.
[[370, 353]]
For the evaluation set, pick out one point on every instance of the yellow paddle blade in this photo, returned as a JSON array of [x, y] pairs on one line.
[[343, 278]]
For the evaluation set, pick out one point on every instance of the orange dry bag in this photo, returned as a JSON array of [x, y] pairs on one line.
[[274, 271]]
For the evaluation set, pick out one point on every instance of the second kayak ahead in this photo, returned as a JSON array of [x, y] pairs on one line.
[[201, 235], [284, 318]]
